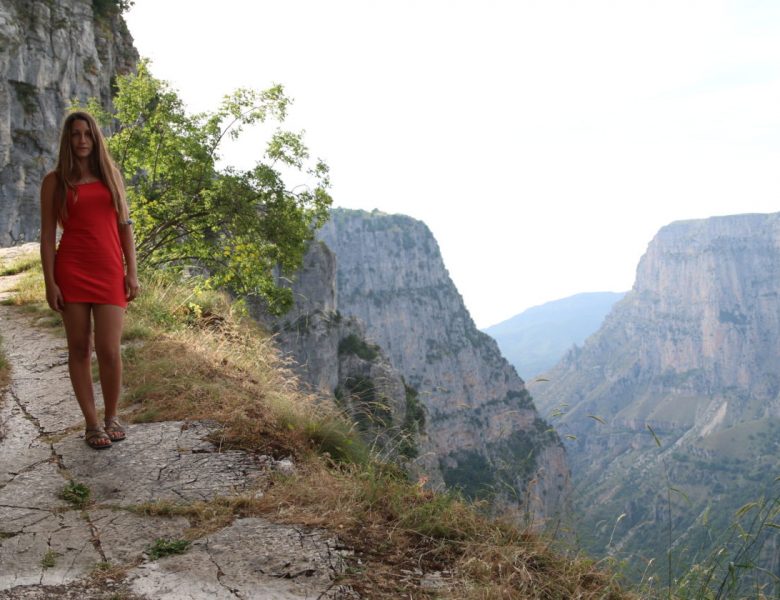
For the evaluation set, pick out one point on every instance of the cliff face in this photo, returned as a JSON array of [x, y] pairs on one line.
[[695, 343], [692, 352], [331, 354], [52, 52], [483, 432]]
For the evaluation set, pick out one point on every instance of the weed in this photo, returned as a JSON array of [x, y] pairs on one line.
[[164, 547], [103, 572], [205, 517], [49, 559], [77, 494], [21, 264]]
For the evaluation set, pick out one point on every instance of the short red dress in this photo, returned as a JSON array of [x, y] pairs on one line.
[[89, 265]]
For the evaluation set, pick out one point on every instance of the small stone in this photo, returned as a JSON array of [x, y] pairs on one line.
[[285, 466]]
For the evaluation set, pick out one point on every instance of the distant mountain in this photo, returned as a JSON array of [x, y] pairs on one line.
[[536, 339]]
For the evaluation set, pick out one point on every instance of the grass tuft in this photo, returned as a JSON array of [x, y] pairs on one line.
[[49, 559], [203, 357], [164, 547], [21, 264], [76, 494]]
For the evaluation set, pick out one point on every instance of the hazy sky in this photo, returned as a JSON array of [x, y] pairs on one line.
[[543, 142]]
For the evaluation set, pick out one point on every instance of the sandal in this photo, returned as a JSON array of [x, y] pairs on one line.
[[96, 438], [114, 430]]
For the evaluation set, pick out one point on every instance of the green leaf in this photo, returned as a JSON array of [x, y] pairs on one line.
[[243, 230]]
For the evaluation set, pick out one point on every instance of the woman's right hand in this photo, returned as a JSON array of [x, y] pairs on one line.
[[54, 298]]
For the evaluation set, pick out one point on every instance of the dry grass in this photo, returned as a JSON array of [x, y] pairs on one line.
[[194, 354], [20, 264], [401, 531], [206, 359]]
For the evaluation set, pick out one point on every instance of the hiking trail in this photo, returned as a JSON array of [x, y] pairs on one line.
[[50, 548]]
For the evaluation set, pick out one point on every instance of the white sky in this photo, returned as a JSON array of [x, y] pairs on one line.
[[544, 142]]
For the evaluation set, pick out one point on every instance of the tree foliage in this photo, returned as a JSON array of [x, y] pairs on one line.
[[111, 8], [241, 228]]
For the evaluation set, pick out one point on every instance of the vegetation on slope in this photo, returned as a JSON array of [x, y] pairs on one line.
[[193, 354], [239, 229]]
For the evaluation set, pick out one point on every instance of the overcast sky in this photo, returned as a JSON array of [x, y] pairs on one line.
[[543, 142]]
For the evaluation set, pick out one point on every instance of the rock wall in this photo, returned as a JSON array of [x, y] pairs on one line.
[[695, 343], [52, 52], [483, 432], [332, 355], [691, 353]]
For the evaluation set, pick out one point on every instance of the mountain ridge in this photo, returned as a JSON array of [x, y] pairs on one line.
[[683, 367], [534, 340], [483, 433]]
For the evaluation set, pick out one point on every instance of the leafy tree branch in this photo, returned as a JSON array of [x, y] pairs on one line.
[[242, 228]]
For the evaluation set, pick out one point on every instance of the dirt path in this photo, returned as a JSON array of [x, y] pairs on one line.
[[49, 548]]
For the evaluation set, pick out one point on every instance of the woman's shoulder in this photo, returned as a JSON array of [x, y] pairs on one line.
[[50, 181]]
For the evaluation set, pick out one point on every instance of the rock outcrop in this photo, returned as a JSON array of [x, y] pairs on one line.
[[691, 353], [331, 353], [52, 53], [52, 547], [483, 432], [694, 345]]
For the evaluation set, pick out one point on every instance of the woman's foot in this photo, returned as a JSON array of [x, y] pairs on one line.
[[97, 438], [114, 430]]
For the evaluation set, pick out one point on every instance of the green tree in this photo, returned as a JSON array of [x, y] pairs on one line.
[[240, 229]]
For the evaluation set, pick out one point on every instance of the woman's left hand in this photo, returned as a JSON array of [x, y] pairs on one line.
[[131, 286]]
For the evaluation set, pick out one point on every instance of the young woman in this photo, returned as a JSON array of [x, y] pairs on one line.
[[92, 274]]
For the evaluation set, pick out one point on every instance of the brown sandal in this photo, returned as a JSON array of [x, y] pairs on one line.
[[114, 430], [96, 438]]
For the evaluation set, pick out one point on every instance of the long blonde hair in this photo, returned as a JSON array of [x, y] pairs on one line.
[[100, 162]]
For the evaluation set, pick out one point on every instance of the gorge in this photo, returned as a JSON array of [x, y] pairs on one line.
[[482, 434], [679, 389]]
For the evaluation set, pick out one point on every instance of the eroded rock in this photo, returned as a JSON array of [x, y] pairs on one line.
[[49, 548], [159, 461], [251, 559]]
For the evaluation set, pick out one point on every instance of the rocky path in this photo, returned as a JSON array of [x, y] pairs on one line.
[[51, 549]]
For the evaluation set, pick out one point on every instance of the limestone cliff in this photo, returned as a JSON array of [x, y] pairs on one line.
[[52, 52], [693, 352], [694, 345], [483, 432], [331, 353]]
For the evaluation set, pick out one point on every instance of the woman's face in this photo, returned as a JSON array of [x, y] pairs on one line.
[[81, 139]]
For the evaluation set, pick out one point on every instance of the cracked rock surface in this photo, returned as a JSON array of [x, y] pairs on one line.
[[49, 548]]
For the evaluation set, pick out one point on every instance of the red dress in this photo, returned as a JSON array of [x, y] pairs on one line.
[[88, 265]]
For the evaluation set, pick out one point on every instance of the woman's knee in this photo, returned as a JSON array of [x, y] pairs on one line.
[[80, 349], [108, 354]]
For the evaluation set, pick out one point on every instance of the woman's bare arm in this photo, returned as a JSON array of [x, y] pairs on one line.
[[128, 249], [49, 240]]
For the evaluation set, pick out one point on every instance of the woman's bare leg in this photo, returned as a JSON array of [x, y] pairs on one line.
[[78, 330], [109, 320]]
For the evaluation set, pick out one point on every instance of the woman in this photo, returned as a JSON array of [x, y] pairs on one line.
[[92, 274]]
